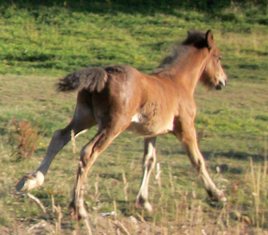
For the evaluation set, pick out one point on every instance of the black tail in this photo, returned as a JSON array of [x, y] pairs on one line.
[[91, 79]]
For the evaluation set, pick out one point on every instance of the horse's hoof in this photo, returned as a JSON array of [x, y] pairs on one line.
[[147, 206], [220, 197], [144, 205], [217, 200], [223, 199], [77, 212], [73, 213], [217, 196], [30, 182]]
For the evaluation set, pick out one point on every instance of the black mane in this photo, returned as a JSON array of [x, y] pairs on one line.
[[196, 38]]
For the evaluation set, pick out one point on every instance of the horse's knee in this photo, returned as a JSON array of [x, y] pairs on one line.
[[85, 154], [66, 132], [91, 148]]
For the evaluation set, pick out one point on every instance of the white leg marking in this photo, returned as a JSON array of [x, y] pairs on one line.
[[34, 181], [149, 163]]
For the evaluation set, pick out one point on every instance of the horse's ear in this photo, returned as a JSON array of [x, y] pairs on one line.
[[209, 39]]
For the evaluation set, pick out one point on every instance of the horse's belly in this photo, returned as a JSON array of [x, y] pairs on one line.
[[150, 127]]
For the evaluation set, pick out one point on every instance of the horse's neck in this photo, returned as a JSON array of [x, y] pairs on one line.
[[188, 70]]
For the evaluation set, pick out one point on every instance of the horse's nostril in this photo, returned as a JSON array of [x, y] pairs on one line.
[[222, 83], [219, 87]]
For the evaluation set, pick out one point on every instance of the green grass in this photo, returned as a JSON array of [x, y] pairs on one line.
[[55, 40], [40, 44]]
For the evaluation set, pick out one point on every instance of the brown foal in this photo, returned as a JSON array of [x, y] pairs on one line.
[[118, 98]]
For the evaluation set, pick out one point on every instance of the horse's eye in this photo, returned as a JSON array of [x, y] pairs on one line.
[[218, 58]]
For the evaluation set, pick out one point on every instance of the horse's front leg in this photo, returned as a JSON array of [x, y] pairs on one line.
[[148, 165], [188, 136]]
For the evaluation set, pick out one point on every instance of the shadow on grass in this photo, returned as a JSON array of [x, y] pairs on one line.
[[243, 156], [231, 154], [121, 5], [125, 207], [210, 7]]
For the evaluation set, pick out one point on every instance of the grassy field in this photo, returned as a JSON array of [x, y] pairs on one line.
[[40, 44]]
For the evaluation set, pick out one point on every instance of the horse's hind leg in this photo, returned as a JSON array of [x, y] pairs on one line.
[[89, 154], [149, 163], [82, 120]]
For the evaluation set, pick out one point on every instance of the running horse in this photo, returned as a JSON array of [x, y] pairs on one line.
[[119, 98]]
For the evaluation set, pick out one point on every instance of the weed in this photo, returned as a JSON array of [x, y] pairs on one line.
[[23, 137]]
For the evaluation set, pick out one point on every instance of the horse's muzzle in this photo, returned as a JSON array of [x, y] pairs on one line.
[[220, 85]]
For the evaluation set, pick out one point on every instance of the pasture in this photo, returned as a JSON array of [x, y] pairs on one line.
[[41, 44]]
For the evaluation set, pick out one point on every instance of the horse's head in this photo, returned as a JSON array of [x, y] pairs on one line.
[[213, 75]]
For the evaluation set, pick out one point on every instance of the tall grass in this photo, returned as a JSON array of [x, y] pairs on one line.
[[259, 185]]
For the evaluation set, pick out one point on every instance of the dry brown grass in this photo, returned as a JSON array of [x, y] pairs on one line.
[[23, 137]]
